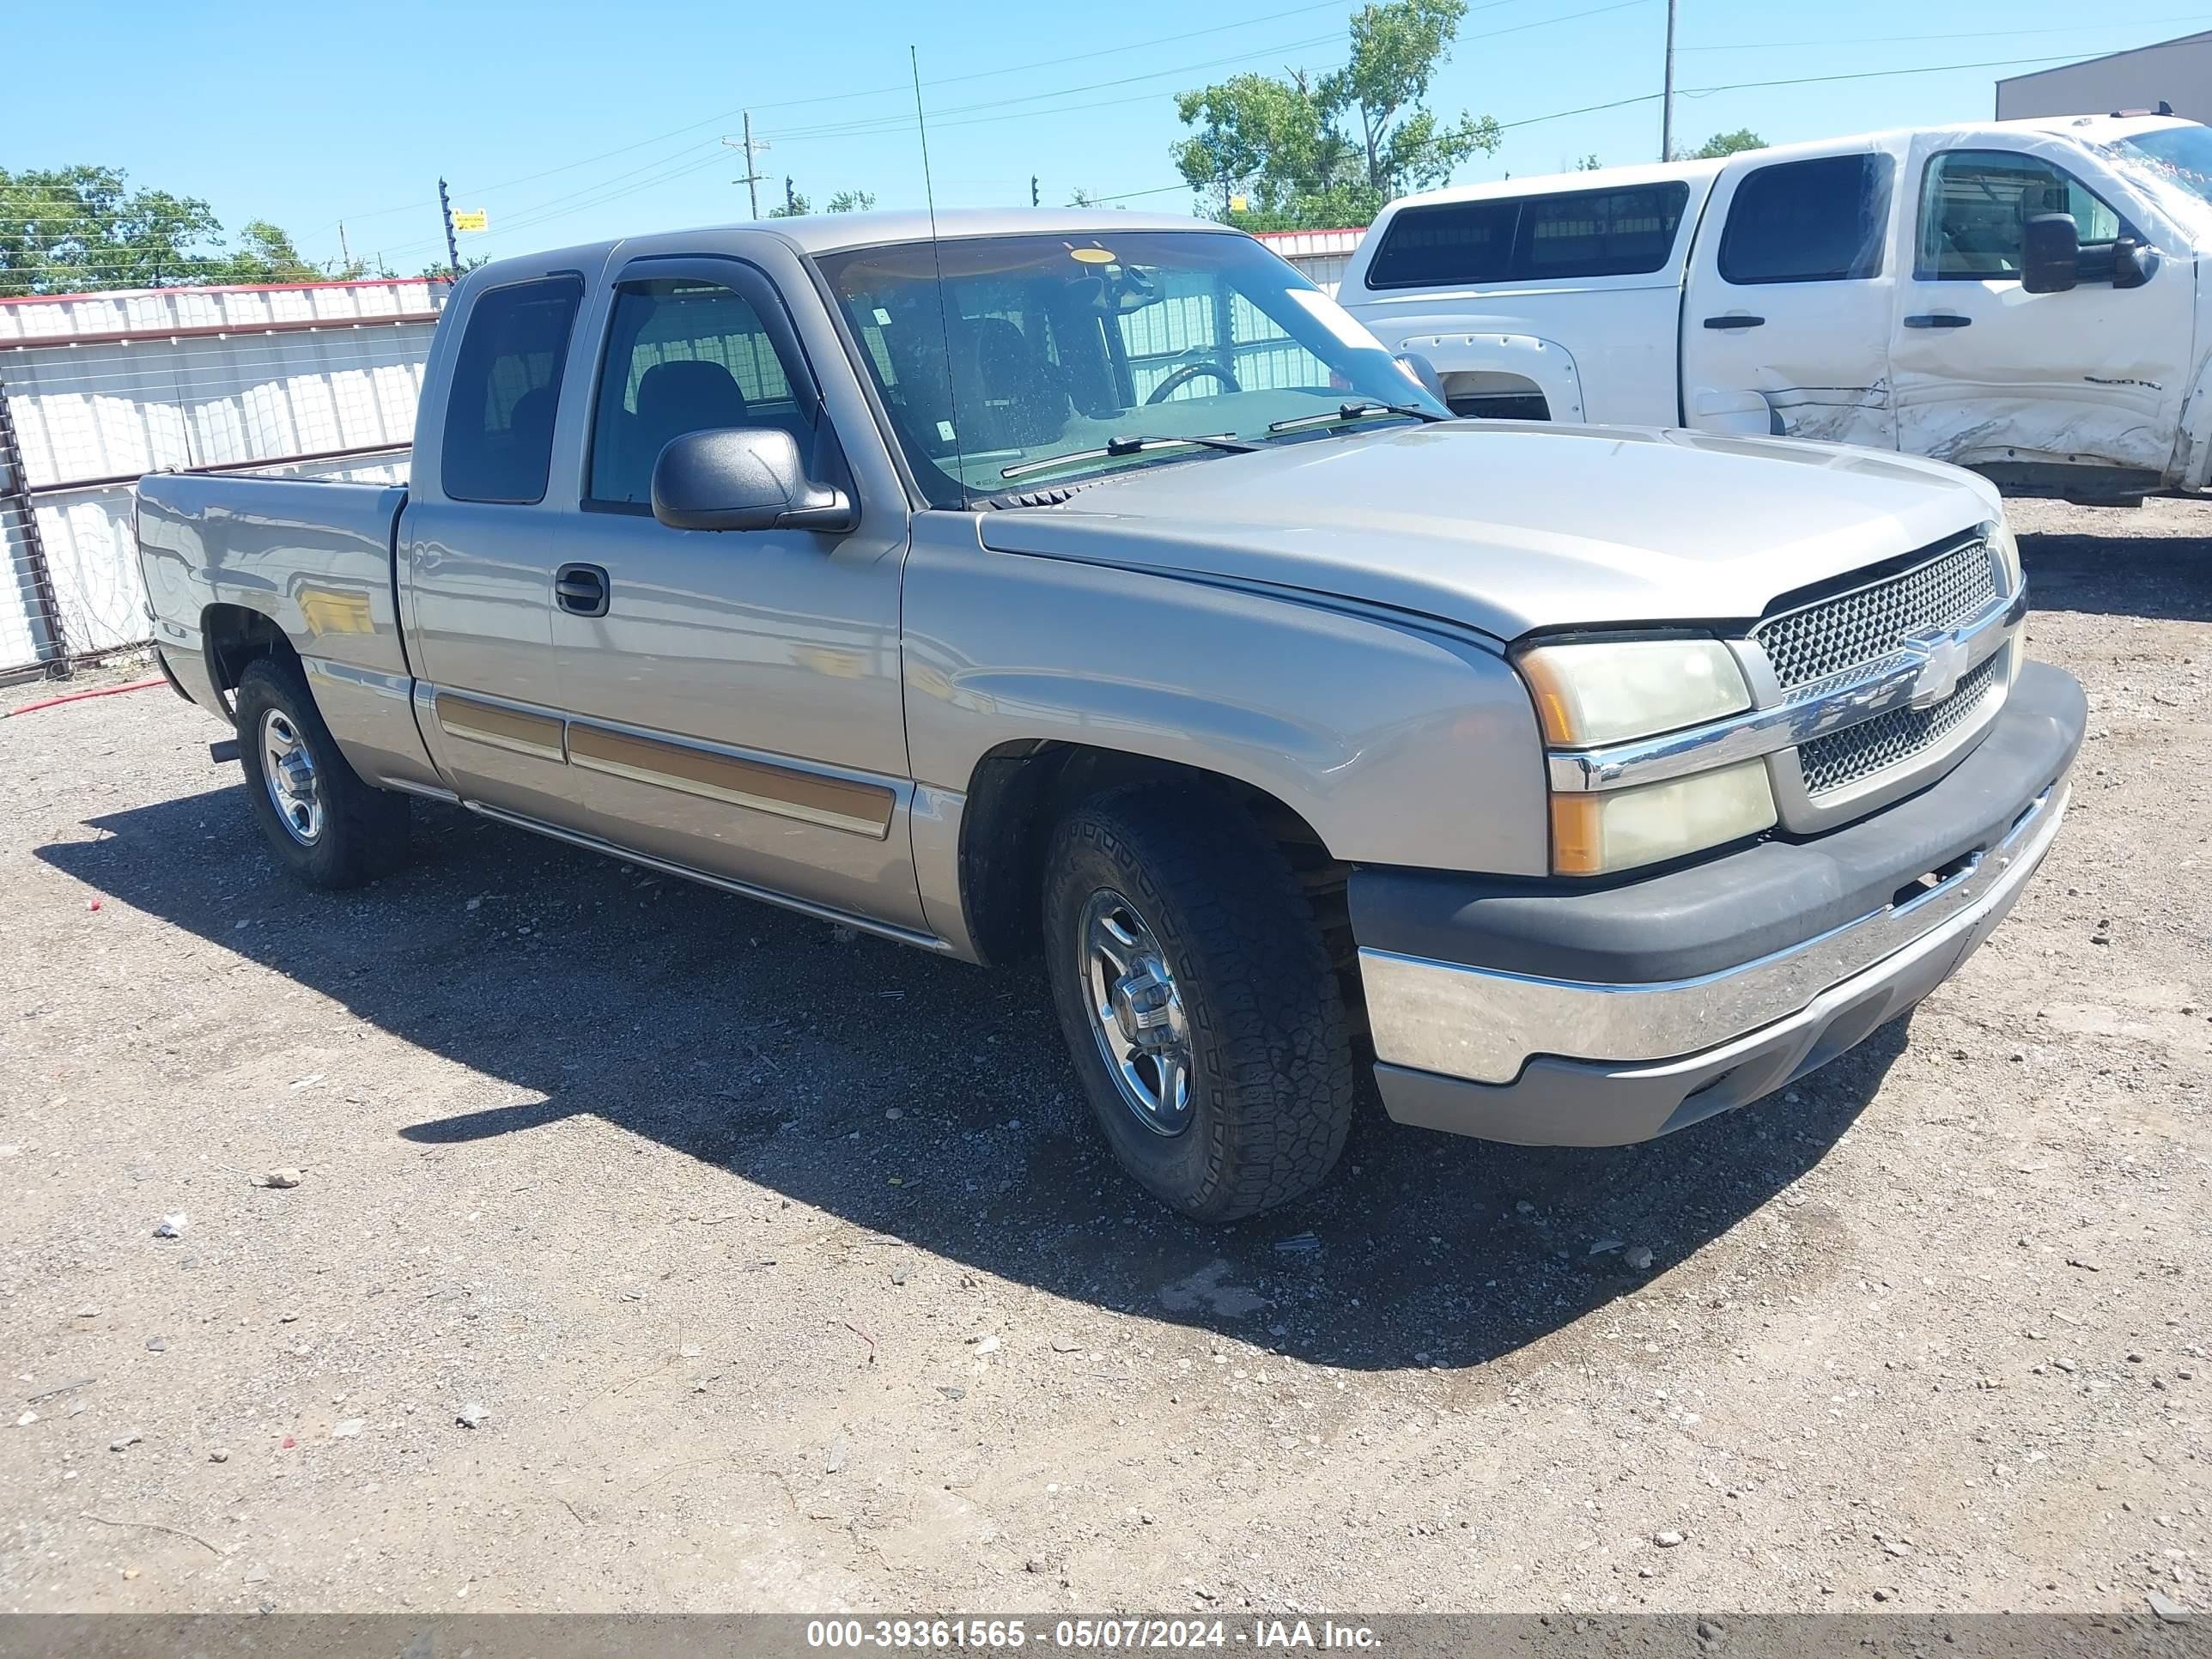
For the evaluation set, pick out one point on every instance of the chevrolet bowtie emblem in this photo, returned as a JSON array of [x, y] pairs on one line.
[[1942, 658]]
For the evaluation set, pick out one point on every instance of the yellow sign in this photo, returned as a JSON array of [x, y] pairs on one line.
[[476, 219], [1239, 204], [1091, 256]]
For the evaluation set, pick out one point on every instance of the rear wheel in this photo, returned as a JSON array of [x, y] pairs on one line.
[[327, 827], [1198, 1000]]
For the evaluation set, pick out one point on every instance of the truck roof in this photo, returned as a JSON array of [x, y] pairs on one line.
[[824, 232], [2089, 129]]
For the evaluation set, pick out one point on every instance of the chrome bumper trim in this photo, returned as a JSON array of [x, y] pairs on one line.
[[1485, 1024], [1829, 706]]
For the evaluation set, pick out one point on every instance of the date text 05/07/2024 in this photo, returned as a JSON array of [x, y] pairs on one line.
[[1109, 1634]]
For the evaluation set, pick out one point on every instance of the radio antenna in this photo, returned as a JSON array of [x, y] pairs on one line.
[[937, 263]]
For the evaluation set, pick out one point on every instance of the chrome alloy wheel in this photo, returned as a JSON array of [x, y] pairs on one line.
[[287, 771], [1136, 1012]]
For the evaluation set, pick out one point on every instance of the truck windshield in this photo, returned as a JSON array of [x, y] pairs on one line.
[[2176, 163], [1056, 345]]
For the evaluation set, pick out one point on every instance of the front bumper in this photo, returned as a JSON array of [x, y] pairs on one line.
[[1551, 1015]]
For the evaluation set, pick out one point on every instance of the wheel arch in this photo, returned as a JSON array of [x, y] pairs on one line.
[[231, 638], [1019, 792]]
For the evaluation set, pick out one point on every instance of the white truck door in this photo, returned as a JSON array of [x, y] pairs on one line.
[[2046, 392], [1786, 316]]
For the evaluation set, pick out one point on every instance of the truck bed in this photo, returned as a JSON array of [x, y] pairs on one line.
[[314, 557]]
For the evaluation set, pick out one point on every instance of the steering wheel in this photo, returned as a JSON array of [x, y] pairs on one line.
[[1188, 373]]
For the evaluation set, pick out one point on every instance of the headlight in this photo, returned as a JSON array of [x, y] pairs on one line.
[[1596, 834], [1606, 690]]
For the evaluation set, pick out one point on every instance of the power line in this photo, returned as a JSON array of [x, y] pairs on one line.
[[894, 123], [875, 124], [901, 89]]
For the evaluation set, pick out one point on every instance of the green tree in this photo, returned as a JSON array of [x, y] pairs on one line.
[[1589, 163], [851, 201], [265, 254], [1333, 151], [1722, 143], [69, 230], [795, 206]]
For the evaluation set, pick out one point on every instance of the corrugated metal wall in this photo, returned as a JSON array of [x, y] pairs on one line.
[[1321, 255], [315, 380]]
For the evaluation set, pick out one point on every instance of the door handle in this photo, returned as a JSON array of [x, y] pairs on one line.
[[580, 590], [1735, 322], [1938, 319]]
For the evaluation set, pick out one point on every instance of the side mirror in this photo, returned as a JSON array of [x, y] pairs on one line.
[[2053, 260], [743, 477], [1422, 372]]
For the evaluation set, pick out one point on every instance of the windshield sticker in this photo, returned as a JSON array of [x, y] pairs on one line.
[[1333, 318], [883, 318], [944, 430], [1091, 256]]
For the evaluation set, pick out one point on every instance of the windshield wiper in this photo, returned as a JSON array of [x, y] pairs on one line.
[[1115, 448], [1359, 409]]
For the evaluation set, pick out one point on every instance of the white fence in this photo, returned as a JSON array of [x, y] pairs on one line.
[[312, 380], [316, 379]]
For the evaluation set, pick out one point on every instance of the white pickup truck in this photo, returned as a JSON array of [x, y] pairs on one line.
[[2018, 297]]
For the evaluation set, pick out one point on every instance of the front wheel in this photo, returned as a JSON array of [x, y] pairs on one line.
[[327, 827], [1198, 999]]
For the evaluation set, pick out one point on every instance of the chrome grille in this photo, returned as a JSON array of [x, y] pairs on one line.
[[1820, 639], [1860, 751]]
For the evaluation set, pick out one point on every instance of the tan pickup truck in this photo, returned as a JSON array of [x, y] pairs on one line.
[[1092, 587]]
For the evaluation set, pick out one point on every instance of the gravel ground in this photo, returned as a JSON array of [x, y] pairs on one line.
[[776, 1270]]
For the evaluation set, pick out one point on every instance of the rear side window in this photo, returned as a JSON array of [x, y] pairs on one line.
[[498, 444], [1586, 233], [1610, 232], [1464, 243], [1822, 221]]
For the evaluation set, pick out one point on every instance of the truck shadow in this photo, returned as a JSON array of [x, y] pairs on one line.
[[2162, 578], [931, 1102]]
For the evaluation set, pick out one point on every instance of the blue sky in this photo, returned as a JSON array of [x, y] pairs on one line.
[[568, 121]]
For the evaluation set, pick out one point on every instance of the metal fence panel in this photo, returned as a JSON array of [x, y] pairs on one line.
[[104, 387]]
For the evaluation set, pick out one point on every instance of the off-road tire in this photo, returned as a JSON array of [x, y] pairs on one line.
[[364, 830], [1271, 1092]]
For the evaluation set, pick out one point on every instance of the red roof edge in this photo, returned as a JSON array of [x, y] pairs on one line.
[[218, 287]]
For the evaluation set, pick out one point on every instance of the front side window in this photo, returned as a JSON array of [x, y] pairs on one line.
[[1036, 348], [1586, 233], [683, 355], [1975, 207], [1821, 220]]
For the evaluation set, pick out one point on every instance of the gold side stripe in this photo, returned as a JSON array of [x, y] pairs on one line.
[[837, 803], [538, 735]]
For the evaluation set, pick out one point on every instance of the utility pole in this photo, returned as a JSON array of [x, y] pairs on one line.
[[1033, 190], [453, 248], [1667, 101], [752, 180], [345, 253]]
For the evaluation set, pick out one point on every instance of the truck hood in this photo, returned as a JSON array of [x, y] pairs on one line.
[[1511, 528]]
